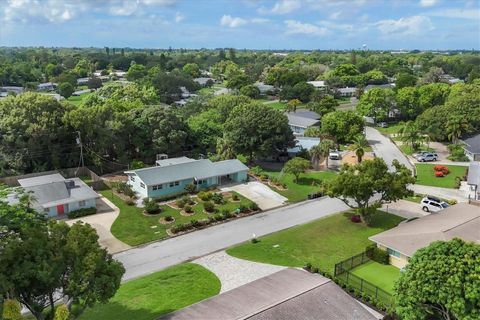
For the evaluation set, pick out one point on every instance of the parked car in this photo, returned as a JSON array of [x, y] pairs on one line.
[[421, 153], [334, 155], [433, 204], [426, 157], [382, 124]]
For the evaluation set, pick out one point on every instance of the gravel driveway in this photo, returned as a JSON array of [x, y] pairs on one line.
[[234, 272]]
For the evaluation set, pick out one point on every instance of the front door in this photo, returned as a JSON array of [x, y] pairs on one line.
[[60, 209]]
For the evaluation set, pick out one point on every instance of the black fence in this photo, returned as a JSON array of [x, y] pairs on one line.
[[351, 281]]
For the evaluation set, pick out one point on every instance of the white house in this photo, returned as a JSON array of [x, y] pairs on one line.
[[347, 92]]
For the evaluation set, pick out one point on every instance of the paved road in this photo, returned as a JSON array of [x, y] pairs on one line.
[[384, 148], [159, 255]]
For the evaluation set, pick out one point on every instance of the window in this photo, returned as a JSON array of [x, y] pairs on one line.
[[393, 253], [46, 210], [172, 184], [132, 178], [81, 203], [142, 185], [157, 187], [177, 183]]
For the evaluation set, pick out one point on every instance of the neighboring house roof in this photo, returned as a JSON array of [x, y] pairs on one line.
[[306, 143], [317, 84], [53, 189], [299, 121], [80, 92], [182, 169], [347, 90], [284, 295], [473, 177], [264, 87], [304, 113], [459, 221], [379, 86], [472, 144], [170, 161], [202, 80]]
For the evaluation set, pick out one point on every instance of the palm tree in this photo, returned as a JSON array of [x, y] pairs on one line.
[[316, 153], [410, 134], [224, 149], [27, 198], [325, 146], [359, 146], [456, 127]]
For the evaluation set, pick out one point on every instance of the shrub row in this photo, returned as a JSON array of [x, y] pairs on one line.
[[376, 254], [81, 212]]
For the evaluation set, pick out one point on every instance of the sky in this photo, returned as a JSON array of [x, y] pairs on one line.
[[250, 24]]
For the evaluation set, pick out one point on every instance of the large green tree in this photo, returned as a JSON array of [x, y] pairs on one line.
[[376, 103], [367, 185], [256, 129], [342, 126], [296, 166], [40, 260], [441, 281]]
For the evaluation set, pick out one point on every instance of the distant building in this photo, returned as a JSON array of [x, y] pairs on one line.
[[347, 92], [451, 80], [303, 143], [47, 86], [379, 86], [12, 90], [299, 122], [459, 221], [472, 147], [80, 92], [171, 176], [264, 88], [58, 196], [203, 80], [82, 81], [320, 84]]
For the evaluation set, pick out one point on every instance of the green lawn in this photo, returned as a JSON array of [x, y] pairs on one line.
[[77, 100], [134, 228], [278, 105], [391, 129], [425, 175], [407, 149], [154, 295], [381, 275], [323, 242], [308, 182]]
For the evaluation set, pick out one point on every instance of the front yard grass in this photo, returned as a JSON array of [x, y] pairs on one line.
[[308, 182], [77, 100], [425, 176], [135, 228], [323, 242], [157, 294], [277, 105], [391, 129], [408, 150], [381, 275]]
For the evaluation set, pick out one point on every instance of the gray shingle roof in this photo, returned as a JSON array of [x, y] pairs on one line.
[[285, 295], [302, 122], [472, 144], [459, 221], [199, 169], [35, 181]]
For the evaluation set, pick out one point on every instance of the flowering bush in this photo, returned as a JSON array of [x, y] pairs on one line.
[[442, 169], [356, 218], [439, 174]]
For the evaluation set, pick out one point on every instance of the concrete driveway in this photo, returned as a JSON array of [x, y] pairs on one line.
[[256, 191], [404, 208], [102, 222]]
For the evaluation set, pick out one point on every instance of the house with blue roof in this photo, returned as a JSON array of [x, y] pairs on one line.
[[170, 176]]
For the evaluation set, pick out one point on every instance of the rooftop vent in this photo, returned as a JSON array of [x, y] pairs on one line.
[[70, 184]]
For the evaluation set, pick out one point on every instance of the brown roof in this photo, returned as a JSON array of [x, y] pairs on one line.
[[285, 295], [459, 221]]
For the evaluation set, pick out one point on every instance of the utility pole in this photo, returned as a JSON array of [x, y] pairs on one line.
[[79, 142]]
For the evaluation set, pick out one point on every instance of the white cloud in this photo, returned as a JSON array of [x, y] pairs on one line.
[[338, 26], [428, 3], [413, 25], [297, 27], [179, 17], [259, 20], [282, 7], [232, 22], [473, 14]]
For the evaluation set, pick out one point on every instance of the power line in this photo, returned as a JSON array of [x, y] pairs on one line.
[[104, 159]]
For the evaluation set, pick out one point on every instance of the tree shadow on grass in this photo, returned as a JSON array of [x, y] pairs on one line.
[[308, 181], [117, 311]]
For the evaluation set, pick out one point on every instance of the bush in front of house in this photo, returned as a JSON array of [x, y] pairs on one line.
[[254, 206], [208, 206], [256, 171], [377, 254], [243, 208], [218, 198], [205, 195], [151, 207], [439, 174], [235, 197], [188, 208], [81, 212], [180, 202], [356, 218], [441, 168], [190, 188], [168, 218]]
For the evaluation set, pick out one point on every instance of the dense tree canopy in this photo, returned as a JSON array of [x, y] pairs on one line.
[[343, 126], [441, 281]]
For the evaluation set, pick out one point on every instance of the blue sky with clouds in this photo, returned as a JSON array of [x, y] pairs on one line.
[[260, 24]]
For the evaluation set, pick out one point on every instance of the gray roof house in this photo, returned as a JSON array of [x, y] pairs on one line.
[[264, 88], [472, 147], [299, 121], [347, 92], [170, 176], [203, 80], [57, 196], [319, 84], [379, 86], [473, 179], [459, 221], [285, 295], [47, 86]]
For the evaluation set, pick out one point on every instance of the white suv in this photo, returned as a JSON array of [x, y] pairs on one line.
[[433, 204]]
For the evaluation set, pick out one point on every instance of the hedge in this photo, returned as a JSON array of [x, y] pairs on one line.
[[376, 254], [81, 212]]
